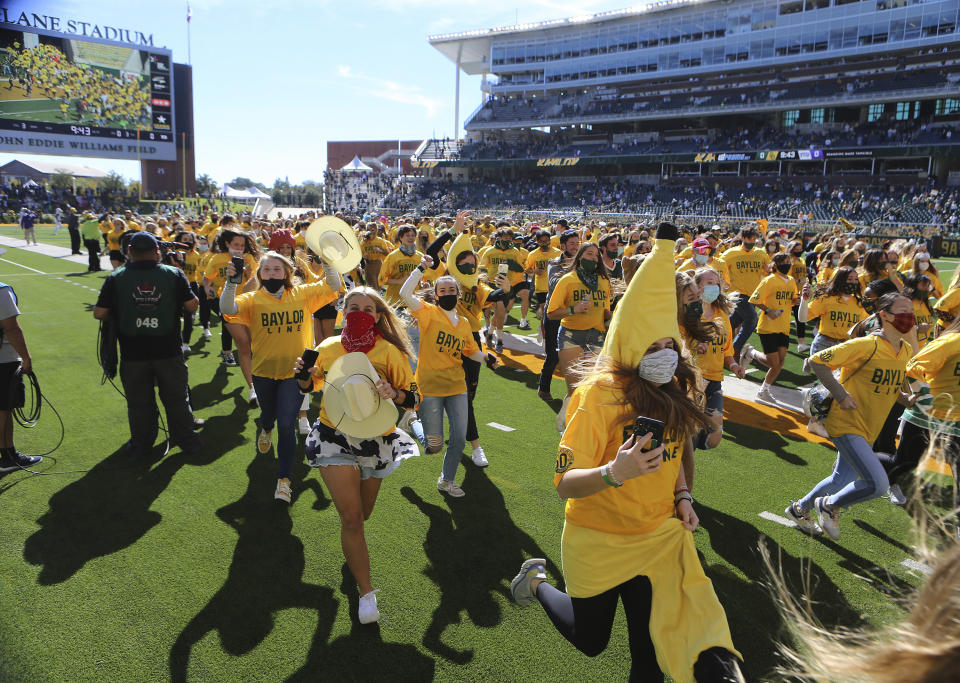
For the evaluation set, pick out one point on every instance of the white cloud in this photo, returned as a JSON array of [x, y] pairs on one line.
[[383, 89]]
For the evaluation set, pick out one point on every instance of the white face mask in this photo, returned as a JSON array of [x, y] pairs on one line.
[[659, 367], [923, 265], [700, 259]]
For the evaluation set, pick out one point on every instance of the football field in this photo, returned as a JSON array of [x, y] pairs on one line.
[[185, 568]]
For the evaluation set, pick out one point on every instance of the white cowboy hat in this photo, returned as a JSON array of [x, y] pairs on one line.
[[335, 242], [351, 399]]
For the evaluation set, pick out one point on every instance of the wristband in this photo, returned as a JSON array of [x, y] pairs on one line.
[[607, 474], [681, 490], [682, 496], [421, 268]]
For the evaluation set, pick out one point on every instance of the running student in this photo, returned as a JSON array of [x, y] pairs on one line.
[[748, 266], [872, 378], [277, 316], [550, 328], [502, 252], [775, 297], [628, 516], [353, 468], [445, 340]]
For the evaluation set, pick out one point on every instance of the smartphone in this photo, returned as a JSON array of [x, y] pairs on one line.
[[238, 266], [502, 269], [309, 358], [647, 425]]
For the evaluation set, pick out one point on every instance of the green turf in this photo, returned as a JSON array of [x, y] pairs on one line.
[[187, 569]]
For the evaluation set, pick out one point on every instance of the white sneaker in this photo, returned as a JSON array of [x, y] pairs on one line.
[[207, 333], [896, 495], [450, 488], [746, 355], [803, 348], [562, 415], [479, 457], [520, 588], [304, 426], [368, 612], [829, 520], [524, 325], [803, 521], [763, 394], [185, 348], [283, 490]]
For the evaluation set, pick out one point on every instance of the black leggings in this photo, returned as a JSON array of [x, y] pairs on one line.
[[226, 339], [801, 327], [471, 373], [204, 307], [588, 622], [910, 451]]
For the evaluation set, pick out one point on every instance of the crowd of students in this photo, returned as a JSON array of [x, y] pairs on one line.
[[642, 322]]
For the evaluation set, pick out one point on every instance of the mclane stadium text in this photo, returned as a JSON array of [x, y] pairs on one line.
[[83, 28]]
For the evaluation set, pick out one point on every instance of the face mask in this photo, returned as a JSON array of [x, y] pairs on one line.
[[711, 293], [612, 254], [408, 249], [658, 367], [447, 301], [783, 268], [502, 246], [700, 259], [923, 265], [273, 285], [235, 253], [835, 262], [203, 247], [694, 309], [467, 268], [869, 306], [359, 331], [903, 322], [797, 254], [588, 266], [851, 287], [619, 251], [544, 247], [747, 246]]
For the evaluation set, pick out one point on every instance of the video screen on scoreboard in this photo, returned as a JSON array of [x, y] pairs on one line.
[[59, 95]]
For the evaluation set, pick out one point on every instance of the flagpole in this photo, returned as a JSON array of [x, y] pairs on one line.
[[189, 15]]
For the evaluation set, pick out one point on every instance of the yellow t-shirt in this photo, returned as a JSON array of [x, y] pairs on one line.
[[718, 348], [441, 353], [386, 359], [798, 271], [397, 265], [825, 274], [190, 262], [775, 292], [936, 286], [113, 240], [599, 421], [948, 304], [866, 278], [570, 291], [537, 263], [216, 270], [280, 329], [493, 257], [837, 314], [471, 305], [874, 382], [375, 248], [687, 253], [747, 269], [923, 315], [718, 266], [938, 364]]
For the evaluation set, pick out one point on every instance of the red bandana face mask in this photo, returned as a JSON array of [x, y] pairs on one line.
[[359, 332]]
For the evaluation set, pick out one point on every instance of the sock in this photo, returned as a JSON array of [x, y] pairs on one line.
[[764, 387], [8, 453]]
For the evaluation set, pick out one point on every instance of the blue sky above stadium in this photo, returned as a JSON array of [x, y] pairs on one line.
[[273, 81]]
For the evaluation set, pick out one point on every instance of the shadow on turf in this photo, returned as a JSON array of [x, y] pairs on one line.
[[755, 623], [266, 576], [108, 508], [474, 549], [769, 438]]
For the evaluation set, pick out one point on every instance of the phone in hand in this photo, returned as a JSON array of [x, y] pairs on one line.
[[309, 358], [237, 266], [647, 425], [503, 269]]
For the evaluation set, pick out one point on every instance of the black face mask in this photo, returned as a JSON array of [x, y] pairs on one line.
[[797, 254], [545, 247], [273, 285], [612, 254], [869, 306], [467, 268], [783, 268], [851, 287], [447, 301]]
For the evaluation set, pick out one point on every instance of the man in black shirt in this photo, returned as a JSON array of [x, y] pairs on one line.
[[73, 227], [144, 300]]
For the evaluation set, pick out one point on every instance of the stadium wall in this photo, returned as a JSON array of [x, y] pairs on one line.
[[341, 152]]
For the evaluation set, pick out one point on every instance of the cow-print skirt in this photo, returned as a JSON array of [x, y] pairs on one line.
[[376, 456]]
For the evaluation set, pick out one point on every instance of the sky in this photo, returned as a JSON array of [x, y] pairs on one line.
[[274, 80]]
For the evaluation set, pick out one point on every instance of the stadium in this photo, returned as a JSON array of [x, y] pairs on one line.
[[810, 110]]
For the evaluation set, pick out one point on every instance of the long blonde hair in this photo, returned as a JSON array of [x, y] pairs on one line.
[[287, 268], [391, 327]]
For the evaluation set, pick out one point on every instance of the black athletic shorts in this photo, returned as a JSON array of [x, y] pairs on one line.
[[540, 298], [10, 396], [328, 312], [774, 342], [521, 286], [116, 255]]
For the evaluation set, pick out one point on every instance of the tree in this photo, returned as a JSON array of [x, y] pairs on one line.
[[113, 182], [311, 197], [207, 186], [61, 180], [243, 183]]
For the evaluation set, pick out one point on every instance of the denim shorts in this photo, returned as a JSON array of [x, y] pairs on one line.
[[588, 340], [713, 394]]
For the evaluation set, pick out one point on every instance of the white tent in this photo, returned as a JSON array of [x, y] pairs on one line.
[[357, 166], [256, 193], [248, 193]]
